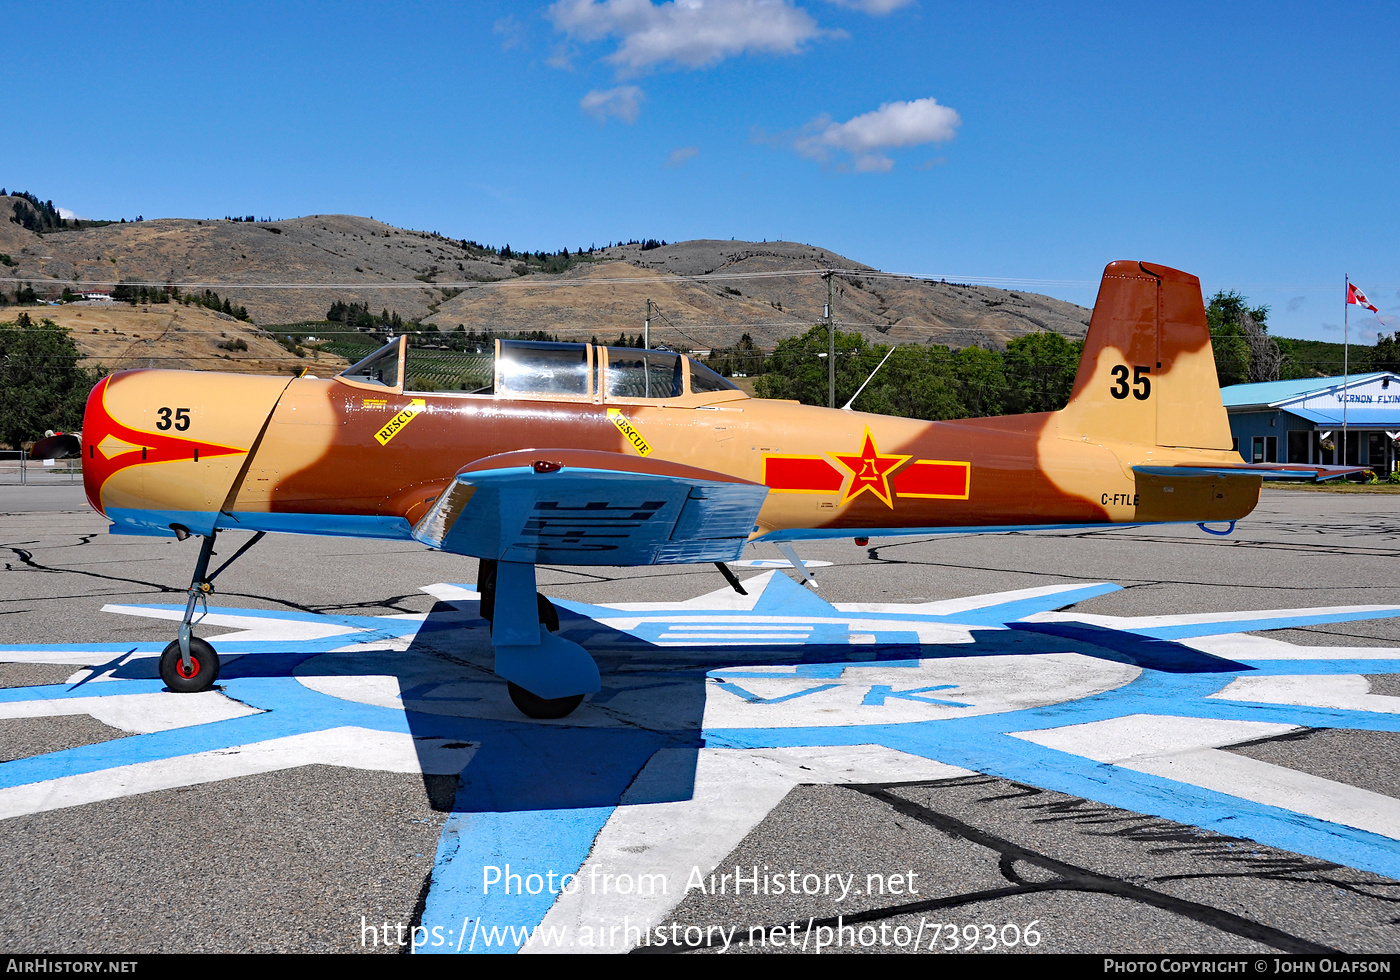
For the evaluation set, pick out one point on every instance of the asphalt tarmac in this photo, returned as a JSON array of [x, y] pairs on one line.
[[1111, 803]]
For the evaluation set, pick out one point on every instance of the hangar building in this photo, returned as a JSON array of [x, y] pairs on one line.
[[1301, 421]]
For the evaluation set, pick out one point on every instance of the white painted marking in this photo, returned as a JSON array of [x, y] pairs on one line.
[[1118, 739], [1182, 749], [723, 599], [929, 633], [946, 607], [1242, 646], [379, 689], [985, 684], [349, 747], [251, 627], [74, 658], [1350, 692], [137, 713], [451, 593], [1196, 619], [733, 790]]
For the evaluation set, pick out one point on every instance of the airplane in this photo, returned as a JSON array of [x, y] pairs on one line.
[[577, 454]]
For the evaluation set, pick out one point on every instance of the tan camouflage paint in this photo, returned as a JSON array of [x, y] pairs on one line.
[[1146, 393]]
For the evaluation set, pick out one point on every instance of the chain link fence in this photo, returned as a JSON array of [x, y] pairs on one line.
[[17, 469]]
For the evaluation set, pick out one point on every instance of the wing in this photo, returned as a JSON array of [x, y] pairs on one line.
[[581, 507]]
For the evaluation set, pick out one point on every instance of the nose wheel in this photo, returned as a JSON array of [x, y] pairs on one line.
[[190, 665], [199, 675]]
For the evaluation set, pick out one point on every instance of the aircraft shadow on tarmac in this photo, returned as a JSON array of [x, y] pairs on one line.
[[655, 691]]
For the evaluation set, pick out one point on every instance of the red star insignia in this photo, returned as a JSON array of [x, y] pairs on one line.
[[870, 471]]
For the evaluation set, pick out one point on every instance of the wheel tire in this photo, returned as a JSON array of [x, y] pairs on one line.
[[549, 616], [202, 658], [534, 706]]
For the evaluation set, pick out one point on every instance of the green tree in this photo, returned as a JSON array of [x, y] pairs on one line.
[[983, 381], [1242, 352], [916, 382], [1040, 370], [42, 385], [797, 368], [1386, 356], [742, 358]]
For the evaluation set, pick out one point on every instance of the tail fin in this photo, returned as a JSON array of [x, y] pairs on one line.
[[1148, 373]]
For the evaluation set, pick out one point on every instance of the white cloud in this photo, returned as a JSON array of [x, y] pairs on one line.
[[562, 58], [624, 102], [892, 126], [691, 33], [65, 213], [511, 30], [680, 155], [876, 7]]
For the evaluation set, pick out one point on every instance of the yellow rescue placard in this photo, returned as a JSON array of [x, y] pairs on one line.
[[395, 425], [630, 431]]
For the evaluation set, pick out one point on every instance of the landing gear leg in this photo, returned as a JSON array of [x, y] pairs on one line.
[[548, 674], [486, 586], [189, 664]]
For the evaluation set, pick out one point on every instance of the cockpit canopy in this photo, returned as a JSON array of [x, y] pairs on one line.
[[523, 369]]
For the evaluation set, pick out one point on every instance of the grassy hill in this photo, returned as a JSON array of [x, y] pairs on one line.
[[119, 337], [426, 276]]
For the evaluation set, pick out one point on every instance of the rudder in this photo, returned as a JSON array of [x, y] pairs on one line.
[[1147, 375]]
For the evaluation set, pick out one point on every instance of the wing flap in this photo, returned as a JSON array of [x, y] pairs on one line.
[[580, 507]]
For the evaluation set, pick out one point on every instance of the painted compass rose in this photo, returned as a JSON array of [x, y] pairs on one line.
[[715, 707]]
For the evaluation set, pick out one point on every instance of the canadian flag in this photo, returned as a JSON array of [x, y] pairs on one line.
[[1356, 297]]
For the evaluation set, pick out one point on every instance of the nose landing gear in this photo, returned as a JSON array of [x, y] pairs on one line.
[[190, 665]]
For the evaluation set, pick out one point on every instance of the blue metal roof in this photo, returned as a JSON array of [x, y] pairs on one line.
[[1265, 394], [1357, 417]]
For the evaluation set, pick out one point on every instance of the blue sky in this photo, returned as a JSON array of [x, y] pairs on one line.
[[1251, 144]]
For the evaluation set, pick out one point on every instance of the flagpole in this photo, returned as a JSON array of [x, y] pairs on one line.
[[1346, 350]]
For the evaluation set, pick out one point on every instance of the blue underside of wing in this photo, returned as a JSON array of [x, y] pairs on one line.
[[585, 516]]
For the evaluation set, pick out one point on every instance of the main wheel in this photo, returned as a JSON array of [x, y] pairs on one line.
[[203, 672], [534, 706]]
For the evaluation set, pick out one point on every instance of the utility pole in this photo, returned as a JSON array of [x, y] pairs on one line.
[[830, 345], [646, 328]]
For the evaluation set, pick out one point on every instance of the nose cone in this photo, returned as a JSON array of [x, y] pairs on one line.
[[93, 432], [164, 448]]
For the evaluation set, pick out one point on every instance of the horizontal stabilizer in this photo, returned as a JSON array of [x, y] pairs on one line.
[[582, 507], [1268, 471]]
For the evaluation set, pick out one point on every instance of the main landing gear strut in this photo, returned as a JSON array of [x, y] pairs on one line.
[[189, 665], [547, 675]]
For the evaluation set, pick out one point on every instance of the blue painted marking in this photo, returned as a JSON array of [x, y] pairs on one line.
[[506, 814], [752, 698], [1014, 609], [1141, 650], [880, 692], [1185, 631]]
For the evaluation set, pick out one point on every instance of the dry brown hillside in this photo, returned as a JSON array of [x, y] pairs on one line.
[[609, 295], [425, 276], [118, 337]]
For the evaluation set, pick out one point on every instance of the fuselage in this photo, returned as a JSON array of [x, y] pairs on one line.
[[328, 456]]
